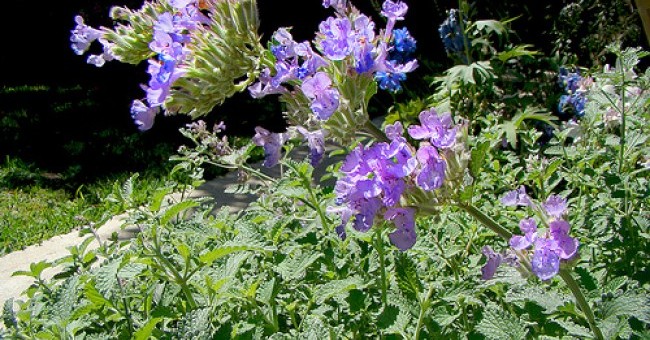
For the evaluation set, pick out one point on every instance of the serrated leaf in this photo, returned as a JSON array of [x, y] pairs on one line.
[[94, 296], [106, 279], [8, 314], [176, 209], [442, 317], [227, 249], [313, 328], [131, 270], [629, 304], [293, 268], [478, 158], [337, 287], [195, 325], [575, 329], [158, 197], [547, 299], [145, 332], [498, 324], [407, 277]]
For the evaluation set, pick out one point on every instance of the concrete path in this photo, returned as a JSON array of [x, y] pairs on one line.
[[57, 247]]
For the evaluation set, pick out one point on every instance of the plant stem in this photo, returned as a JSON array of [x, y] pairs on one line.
[[582, 302], [379, 244], [424, 307], [486, 220]]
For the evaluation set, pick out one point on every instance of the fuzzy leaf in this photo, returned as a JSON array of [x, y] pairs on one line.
[[8, 315], [498, 324], [314, 328], [407, 277], [293, 268], [176, 209], [145, 332], [227, 249], [336, 287]]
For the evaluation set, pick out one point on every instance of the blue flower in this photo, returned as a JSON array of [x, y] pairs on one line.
[[452, 35]]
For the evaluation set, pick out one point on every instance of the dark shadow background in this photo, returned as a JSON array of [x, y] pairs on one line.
[[73, 118]]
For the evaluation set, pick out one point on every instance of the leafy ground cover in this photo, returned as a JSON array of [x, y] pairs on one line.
[[509, 200]]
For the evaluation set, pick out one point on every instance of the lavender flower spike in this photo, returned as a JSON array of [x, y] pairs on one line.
[[272, 143], [82, 36], [494, 260], [404, 237], [437, 128], [555, 206], [142, 115], [516, 197], [324, 98]]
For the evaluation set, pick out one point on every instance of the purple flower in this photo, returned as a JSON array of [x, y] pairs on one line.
[[265, 86], [285, 47], [272, 143], [404, 236], [516, 197], [394, 10], [567, 246], [545, 262], [324, 99], [550, 248], [555, 206], [395, 131], [432, 168], [336, 4], [529, 227], [82, 36], [399, 160], [142, 115], [311, 60], [493, 262], [367, 209], [337, 38], [437, 128], [316, 143]]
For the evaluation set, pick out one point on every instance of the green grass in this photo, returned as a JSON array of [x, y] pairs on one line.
[[35, 207]]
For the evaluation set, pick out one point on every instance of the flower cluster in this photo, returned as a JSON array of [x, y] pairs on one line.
[[377, 178], [170, 36], [272, 143], [350, 37], [452, 35], [550, 246], [82, 36], [575, 86]]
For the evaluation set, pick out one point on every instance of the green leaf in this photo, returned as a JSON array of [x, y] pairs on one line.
[[176, 209], [35, 269], [407, 277], [629, 304], [490, 26], [158, 197], [8, 314], [575, 329], [227, 249], [336, 287], [94, 296], [313, 328], [195, 325], [498, 324], [516, 52], [479, 153], [293, 268], [145, 332]]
